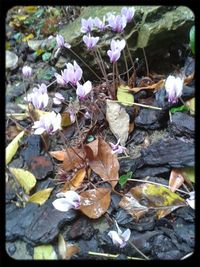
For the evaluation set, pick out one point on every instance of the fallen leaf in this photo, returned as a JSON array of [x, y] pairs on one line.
[[191, 105], [40, 197], [124, 96], [123, 178], [189, 174], [176, 179], [91, 149], [74, 158], [152, 197], [18, 116], [66, 251], [44, 252], [28, 37], [155, 86], [25, 178], [59, 155], [105, 163], [76, 181], [118, 120], [12, 131], [40, 166], [71, 250], [11, 149], [95, 202], [65, 119], [37, 113]]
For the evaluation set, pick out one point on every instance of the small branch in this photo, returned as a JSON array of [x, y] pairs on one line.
[[140, 252], [137, 104], [111, 255], [145, 59]]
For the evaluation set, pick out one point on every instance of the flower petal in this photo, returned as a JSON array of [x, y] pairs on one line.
[[62, 204], [39, 131], [115, 238], [126, 235]]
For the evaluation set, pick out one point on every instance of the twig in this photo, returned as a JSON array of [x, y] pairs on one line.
[[111, 255], [137, 104], [140, 252]]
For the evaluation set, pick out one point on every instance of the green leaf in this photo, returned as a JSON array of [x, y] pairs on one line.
[[40, 197], [25, 178], [46, 56], [189, 173], [179, 109], [124, 96], [123, 178], [11, 149], [192, 39], [44, 252]]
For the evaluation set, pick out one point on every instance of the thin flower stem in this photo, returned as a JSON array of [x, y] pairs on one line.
[[103, 66], [85, 64], [51, 83], [146, 62], [137, 104], [113, 80], [100, 64], [111, 255], [139, 251], [150, 182], [126, 66]]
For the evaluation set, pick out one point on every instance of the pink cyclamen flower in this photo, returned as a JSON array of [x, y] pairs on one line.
[[50, 123], [39, 97], [62, 79], [191, 200], [99, 23], [58, 99], [87, 25], [116, 23], [116, 47], [74, 73], [173, 87], [27, 71], [90, 41], [117, 149], [66, 201], [128, 13], [83, 90], [118, 238], [61, 42]]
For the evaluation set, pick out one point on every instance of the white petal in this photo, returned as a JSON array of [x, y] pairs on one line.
[[126, 235], [87, 87], [115, 238], [169, 83], [179, 86], [61, 204], [191, 203], [56, 101], [39, 131]]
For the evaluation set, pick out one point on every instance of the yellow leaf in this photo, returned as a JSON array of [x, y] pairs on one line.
[[30, 9], [75, 182], [18, 116], [65, 119], [44, 252], [191, 104], [28, 37], [20, 17], [11, 149], [41, 196], [25, 178], [124, 96], [189, 173], [37, 113]]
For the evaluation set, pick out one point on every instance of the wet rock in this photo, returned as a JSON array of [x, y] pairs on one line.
[[123, 218], [32, 146], [10, 190], [13, 108], [85, 246], [82, 228], [186, 213], [11, 249], [17, 163], [151, 171], [189, 66], [151, 119], [11, 60], [35, 44], [14, 90], [182, 125], [21, 250], [146, 223], [36, 224], [137, 137], [172, 153], [40, 166]]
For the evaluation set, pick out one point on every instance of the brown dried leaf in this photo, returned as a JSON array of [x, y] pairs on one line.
[[71, 250], [155, 86], [74, 158], [105, 164], [75, 182], [59, 155], [176, 179], [95, 202], [66, 251], [154, 196]]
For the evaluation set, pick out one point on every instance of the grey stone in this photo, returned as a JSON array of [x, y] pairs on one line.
[[182, 125], [11, 60]]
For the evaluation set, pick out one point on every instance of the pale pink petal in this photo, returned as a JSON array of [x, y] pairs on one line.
[[62, 204], [39, 131], [115, 238], [126, 235]]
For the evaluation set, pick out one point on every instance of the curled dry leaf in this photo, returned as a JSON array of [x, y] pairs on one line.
[[176, 179], [11, 149], [104, 162], [118, 120], [66, 250], [59, 155], [155, 86], [25, 178], [95, 202], [76, 181], [152, 197], [40, 197], [73, 158]]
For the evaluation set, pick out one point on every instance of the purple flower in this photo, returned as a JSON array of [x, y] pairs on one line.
[[118, 238], [128, 13], [99, 23], [58, 99], [87, 25], [39, 97], [115, 50], [90, 41], [61, 42], [117, 148], [173, 87], [50, 122], [62, 79], [73, 73], [27, 71], [116, 23], [69, 200], [83, 90]]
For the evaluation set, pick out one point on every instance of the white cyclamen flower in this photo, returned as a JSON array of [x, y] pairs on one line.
[[173, 87], [83, 90], [58, 99], [66, 201], [191, 200], [27, 71], [118, 238]]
